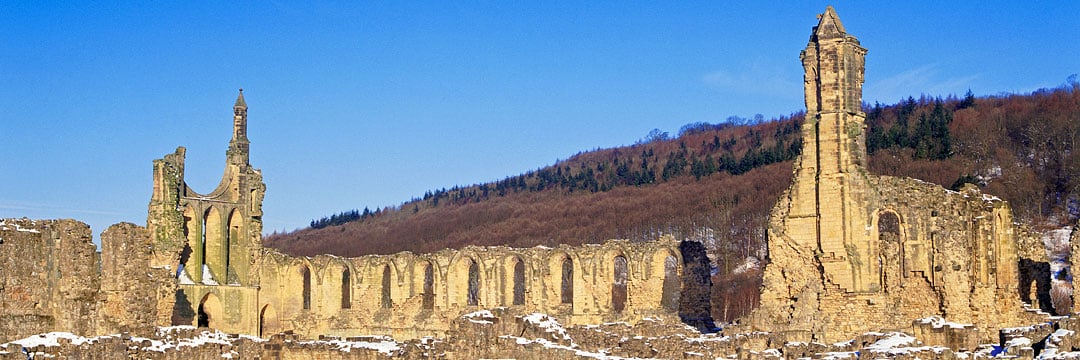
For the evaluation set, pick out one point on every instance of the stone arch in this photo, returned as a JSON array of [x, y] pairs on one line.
[[386, 301], [209, 311], [346, 288], [473, 293], [559, 280], [890, 250], [269, 323], [215, 246], [305, 292], [425, 271], [620, 278], [516, 279], [463, 280], [888, 225], [234, 257], [667, 264], [566, 281]]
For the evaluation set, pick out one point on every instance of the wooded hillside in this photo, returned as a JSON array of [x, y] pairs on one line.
[[717, 184]]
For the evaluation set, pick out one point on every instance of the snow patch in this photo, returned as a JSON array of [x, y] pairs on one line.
[[481, 314], [4, 225], [382, 344], [1018, 342], [183, 277], [939, 322], [550, 345], [207, 278], [50, 339], [892, 342], [839, 355], [547, 323], [203, 338], [1058, 336], [480, 317], [750, 263], [1057, 247]]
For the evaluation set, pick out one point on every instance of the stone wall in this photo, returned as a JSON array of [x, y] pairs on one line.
[[413, 295], [131, 288], [48, 278], [505, 333], [226, 280]]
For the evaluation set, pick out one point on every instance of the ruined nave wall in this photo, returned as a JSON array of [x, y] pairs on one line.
[[410, 295]]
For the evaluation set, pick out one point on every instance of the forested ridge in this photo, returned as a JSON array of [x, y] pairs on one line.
[[718, 182]]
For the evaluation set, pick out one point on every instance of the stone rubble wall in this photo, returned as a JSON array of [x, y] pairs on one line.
[[955, 256], [654, 281], [48, 277], [131, 288], [54, 279], [506, 333]]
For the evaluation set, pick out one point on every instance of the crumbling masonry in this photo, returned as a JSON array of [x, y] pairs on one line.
[[852, 252], [228, 281], [849, 252], [200, 261]]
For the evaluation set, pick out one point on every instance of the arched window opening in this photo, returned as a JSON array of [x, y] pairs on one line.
[[428, 301], [888, 226], [474, 284], [216, 248], [346, 289], [890, 251], [204, 318], [202, 246], [268, 322], [669, 298], [618, 286], [306, 275], [208, 311], [233, 238], [387, 301], [567, 281], [519, 282]]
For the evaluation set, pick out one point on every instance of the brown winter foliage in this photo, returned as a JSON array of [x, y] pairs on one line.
[[1021, 148], [717, 184]]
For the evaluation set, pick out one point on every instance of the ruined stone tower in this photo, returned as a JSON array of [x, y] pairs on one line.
[[213, 240], [829, 180], [851, 252]]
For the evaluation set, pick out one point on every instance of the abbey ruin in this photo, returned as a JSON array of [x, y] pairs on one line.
[[851, 254], [205, 265]]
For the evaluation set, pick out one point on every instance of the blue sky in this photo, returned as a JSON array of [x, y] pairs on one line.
[[356, 104]]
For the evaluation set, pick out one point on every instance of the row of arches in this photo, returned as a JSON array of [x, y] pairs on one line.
[[468, 279], [900, 257], [215, 241], [332, 295]]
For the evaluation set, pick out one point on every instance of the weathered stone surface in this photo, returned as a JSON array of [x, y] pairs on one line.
[[130, 287], [48, 278], [200, 262], [507, 334], [227, 281], [897, 267], [852, 252]]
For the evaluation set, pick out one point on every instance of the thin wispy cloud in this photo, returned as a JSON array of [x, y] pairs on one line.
[[53, 208], [752, 80], [914, 82]]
